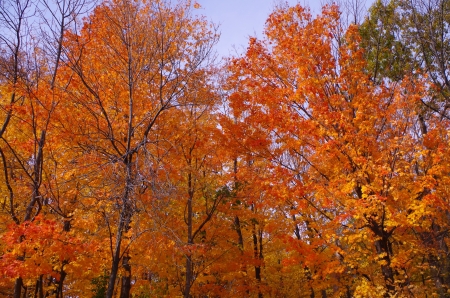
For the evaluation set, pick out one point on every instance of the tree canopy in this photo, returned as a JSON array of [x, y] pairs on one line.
[[134, 164]]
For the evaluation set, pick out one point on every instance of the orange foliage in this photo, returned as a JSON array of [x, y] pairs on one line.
[[127, 174]]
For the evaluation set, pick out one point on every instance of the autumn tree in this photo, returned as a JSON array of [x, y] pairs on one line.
[[190, 215], [415, 49], [132, 62], [30, 95], [351, 150], [409, 38]]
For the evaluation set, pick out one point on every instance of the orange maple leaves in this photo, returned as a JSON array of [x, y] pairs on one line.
[[309, 178], [303, 101]]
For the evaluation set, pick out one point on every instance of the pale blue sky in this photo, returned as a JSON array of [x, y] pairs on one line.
[[239, 19]]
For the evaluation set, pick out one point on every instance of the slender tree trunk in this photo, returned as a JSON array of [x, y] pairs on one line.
[[124, 224], [237, 222], [237, 227], [189, 273], [39, 290], [63, 273], [383, 247], [18, 288], [126, 279], [257, 255], [115, 260], [187, 286], [36, 288]]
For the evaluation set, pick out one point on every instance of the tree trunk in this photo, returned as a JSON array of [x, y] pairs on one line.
[[115, 261], [383, 247], [189, 273], [59, 294], [258, 255], [237, 227], [18, 288], [124, 224], [187, 286], [39, 290], [126, 279]]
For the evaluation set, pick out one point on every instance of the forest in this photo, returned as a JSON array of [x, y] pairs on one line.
[[135, 163]]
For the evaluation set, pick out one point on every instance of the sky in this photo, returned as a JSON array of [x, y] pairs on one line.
[[239, 19]]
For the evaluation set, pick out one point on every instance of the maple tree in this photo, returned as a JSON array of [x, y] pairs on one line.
[[420, 40], [28, 149], [196, 174], [153, 54], [360, 171]]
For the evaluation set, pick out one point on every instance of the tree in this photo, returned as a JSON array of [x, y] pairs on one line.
[[416, 49], [151, 53], [29, 100], [350, 148], [409, 38], [426, 23], [387, 52]]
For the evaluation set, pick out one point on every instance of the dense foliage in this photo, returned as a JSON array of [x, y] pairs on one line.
[[132, 165]]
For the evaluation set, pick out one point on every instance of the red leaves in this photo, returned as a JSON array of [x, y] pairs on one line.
[[38, 247], [321, 128]]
